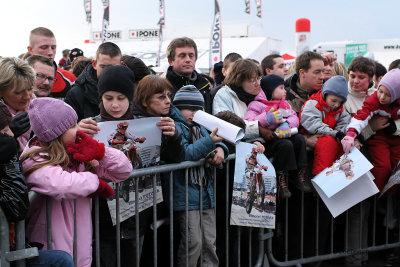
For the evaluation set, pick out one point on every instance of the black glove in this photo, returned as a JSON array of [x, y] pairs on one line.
[[339, 136], [389, 130], [8, 147], [20, 124]]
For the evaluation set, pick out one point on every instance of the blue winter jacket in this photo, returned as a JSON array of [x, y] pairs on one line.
[[193, 152]]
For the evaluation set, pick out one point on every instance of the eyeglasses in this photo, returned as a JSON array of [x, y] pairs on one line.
[[42, 78], [164, 96], [255, 81]]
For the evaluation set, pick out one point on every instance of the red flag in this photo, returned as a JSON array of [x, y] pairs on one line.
[[216, 37]]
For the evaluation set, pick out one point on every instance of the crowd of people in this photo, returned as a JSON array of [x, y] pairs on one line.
[[305, 120]]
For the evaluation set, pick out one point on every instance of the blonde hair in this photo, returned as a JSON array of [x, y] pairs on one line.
[[40, 31], [15, 74], [340, 69], [56, 154]]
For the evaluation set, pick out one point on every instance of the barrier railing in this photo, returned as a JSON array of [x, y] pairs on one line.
[[305, 243], [20, 253]]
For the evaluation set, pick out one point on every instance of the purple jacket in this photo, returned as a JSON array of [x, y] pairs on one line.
[[65, 186], [256, 111]]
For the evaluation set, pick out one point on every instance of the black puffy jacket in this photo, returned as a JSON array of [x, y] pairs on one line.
[[83, 96], [197, 79], [14, 193]]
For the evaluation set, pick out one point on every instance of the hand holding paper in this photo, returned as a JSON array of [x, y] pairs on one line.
[[348, 142], [215, 137]]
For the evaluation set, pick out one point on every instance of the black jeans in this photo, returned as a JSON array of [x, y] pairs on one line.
[[288, 153]]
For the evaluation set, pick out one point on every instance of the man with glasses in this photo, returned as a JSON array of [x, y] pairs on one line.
[[45, 75], [43, 42]]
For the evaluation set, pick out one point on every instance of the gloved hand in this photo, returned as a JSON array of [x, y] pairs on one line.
[[283, 131], [339, 135], [20, 124], [8, 147], [348, 142], [391, 129], [85, 148], [104, 190], [274, 117]]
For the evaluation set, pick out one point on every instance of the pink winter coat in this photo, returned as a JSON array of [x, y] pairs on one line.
[[64, 187], [256, 111]]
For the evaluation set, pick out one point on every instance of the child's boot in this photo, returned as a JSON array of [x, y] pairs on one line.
[[302, 182], [283, 190]]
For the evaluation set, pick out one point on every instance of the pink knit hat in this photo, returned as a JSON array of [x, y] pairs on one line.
[[50, 118], [391, 81]]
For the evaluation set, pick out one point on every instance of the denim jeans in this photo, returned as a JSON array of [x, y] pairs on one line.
[[51, 258]]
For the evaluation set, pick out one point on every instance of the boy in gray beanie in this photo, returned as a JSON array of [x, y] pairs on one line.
[[198, 144], [324, 114]]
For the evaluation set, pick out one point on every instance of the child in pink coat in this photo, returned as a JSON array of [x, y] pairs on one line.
[[66, 165], [288, 150]]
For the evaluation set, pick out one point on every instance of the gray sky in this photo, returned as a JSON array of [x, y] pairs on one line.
[[330, 20]]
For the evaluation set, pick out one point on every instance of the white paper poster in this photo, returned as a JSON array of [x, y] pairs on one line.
[[348, 168], [347, 182], [140, 140], [254, 189], [226, 130]]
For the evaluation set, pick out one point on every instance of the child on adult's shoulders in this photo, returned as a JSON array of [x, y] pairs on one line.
[[271, 110], [324, 114]]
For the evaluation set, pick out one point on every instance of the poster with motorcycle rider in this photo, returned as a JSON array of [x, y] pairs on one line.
[[254, 189], [140, 140]]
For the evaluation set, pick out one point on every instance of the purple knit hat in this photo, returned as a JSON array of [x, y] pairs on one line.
[[50, 118], [391, 81]]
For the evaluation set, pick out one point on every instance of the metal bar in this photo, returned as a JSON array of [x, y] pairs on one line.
[[5, 239], [226, 213], [317, 229], [137, 230], [118, 226], [171, 167], [260, 247], [171, 220], [346, 239], [155, 219], [20, 240], [239, 243], [250, 229], [201, 222], [186, 219]]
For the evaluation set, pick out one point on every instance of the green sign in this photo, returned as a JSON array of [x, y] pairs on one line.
[[353, 51]]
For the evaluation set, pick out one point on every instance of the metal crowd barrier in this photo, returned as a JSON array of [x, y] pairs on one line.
[[257, 253], [20, 253]]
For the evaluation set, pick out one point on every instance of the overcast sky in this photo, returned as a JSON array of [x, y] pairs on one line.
[[330, 20]]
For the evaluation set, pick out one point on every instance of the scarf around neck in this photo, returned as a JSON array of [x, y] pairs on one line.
[[107, 117], [242, 95]]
